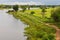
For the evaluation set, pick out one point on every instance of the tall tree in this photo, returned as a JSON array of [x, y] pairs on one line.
[[43, 10], [15, 7], [23, 7]]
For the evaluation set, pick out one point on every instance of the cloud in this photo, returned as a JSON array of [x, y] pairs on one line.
[[47, 2], [51, 2], [23, 3]]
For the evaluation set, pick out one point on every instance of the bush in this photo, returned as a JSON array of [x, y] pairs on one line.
[[41, 33], [23, 8], [56, 15], [15, 7], [10, 11], [32, 12], [43, 10]]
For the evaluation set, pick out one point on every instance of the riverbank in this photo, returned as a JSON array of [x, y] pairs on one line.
[[36, 29]]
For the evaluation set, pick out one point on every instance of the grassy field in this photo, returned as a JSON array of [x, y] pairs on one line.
[[38, 12], [36, 29]]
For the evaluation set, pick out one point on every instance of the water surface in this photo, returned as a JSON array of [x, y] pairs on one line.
[[10, 28]]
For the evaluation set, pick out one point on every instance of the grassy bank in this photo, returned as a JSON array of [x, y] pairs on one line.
[[36, 30]]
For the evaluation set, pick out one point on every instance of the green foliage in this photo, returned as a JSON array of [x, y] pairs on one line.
[[28, 7], [15, 7], [32, 12], [56, 15], [35, 29], [53, 6], [23, 7], [43, 7], [41, 33], [43, 10]]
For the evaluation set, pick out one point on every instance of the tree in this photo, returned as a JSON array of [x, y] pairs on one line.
[[15, 7], [32, 12], [28, 6], [56, 15], [53, 6], [23, 7], [43, 10]]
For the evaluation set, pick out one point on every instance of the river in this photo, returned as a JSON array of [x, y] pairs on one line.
[[10, 28]]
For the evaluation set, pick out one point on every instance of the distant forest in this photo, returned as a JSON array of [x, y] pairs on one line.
[[31, 6]]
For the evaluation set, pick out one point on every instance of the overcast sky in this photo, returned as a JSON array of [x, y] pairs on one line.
[[47, 2]]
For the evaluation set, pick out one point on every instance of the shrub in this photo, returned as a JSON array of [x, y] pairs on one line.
[[23, 8], [10, 11], [32, 12], [56, 15]]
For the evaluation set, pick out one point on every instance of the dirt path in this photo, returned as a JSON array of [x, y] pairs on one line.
[[58, 34], [57, 30]]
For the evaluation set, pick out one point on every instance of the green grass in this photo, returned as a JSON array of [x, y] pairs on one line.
[[38, 12]]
